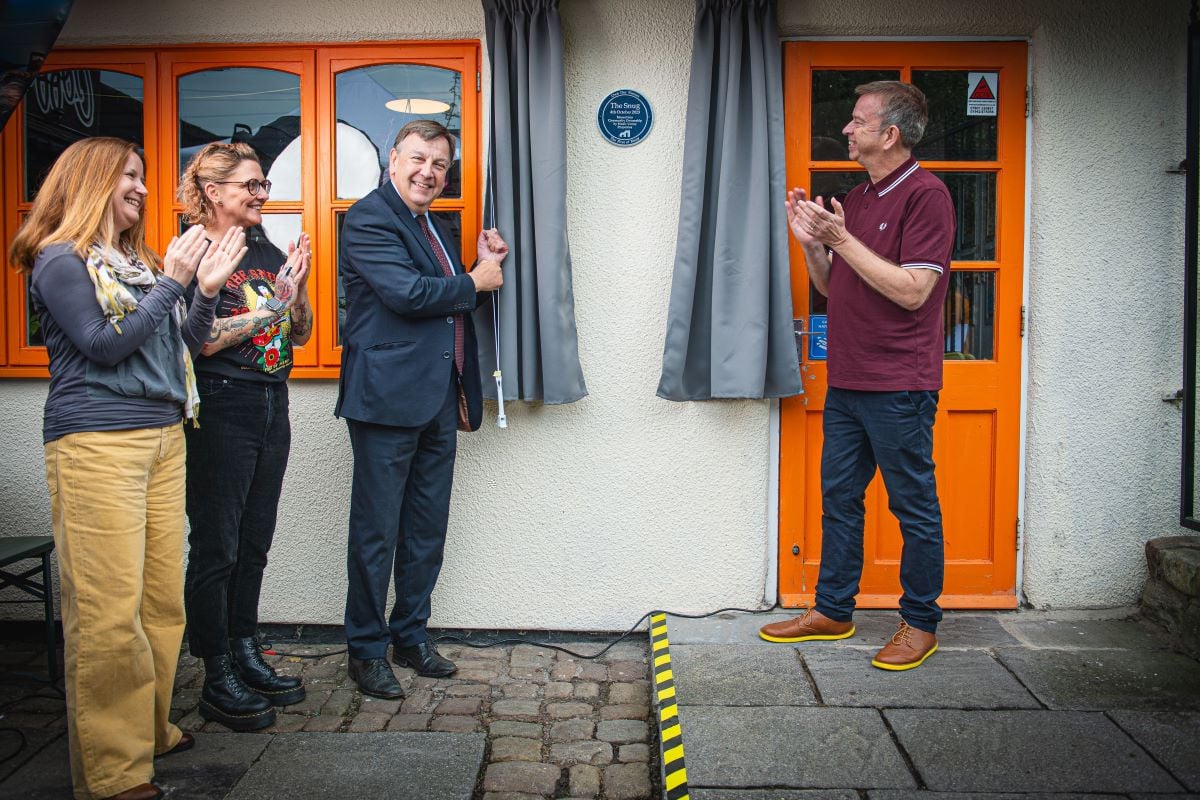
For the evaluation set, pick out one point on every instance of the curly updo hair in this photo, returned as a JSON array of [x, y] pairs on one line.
[[214, 162]]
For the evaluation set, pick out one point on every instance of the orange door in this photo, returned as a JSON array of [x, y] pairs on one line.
[[975, 142]]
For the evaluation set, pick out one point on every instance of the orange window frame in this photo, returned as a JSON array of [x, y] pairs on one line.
[[317, 65]]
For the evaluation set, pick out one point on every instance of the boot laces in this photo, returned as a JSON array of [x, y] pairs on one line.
[[903, 634]]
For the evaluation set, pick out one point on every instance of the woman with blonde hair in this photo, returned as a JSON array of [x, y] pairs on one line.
[[118, 338], [237, 459]]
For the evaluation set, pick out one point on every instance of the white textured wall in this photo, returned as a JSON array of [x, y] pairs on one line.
[[584, 516]]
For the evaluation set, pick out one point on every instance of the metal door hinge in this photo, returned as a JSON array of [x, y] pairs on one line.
[[478, 89], [1028, 99], [1018, 537], [1022, 321]]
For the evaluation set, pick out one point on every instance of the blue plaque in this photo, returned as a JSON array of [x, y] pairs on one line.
[[818, 343], [624, 117]]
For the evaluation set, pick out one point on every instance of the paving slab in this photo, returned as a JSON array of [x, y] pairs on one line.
[[16, 751], [790, 747], [398, 766], [874, 628], [1144, 680], [1024, 751], [1173, 738], [1087, 634], [772, 794], [213, 767], [206, 772], [735, 675], [893, 794], [949, 679]]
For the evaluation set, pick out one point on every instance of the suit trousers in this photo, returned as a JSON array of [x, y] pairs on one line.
[[399, 509], [116, 501], [236, 461]]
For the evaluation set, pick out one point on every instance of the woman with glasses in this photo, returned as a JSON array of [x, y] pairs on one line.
[[237, 458], [121, 382]]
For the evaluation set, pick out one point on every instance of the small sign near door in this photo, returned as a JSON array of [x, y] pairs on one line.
[[983, 89]]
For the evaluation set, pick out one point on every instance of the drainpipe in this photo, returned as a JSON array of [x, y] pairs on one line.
[[1187, 511]]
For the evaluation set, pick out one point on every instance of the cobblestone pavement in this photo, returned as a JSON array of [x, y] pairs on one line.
[[556, 726]]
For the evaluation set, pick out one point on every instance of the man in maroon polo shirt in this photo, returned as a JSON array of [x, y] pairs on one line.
[[883, 260]]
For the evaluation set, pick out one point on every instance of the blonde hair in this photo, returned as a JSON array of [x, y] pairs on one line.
[[214, 162], [74, 204]]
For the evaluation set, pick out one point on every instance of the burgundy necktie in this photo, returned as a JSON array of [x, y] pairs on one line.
[[459, 334]]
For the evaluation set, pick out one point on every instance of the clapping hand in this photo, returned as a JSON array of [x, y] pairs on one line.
[[183, 255], [292, 279], [220, 261]]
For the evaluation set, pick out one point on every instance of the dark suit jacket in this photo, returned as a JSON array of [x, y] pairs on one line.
[[397, 343]]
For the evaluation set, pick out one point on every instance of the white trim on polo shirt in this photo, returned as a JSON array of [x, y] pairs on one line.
[[895, 183], [923, 265]]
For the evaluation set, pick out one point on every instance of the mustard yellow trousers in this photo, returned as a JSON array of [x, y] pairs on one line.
[[117, 500]]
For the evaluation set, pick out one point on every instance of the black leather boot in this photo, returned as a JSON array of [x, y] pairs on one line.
[[259, 676], [227, 700]]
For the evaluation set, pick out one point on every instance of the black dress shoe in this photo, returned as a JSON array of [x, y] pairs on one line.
[[425, 659], [375, 677], [186, 742]]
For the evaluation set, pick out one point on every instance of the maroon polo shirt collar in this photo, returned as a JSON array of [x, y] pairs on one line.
[[895, 178]]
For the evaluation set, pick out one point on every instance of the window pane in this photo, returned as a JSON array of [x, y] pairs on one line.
[[260, 107], [33, 329], [970, 315], [833, 101], [974, 196], [374, 103], [65, 106], [952, 135]]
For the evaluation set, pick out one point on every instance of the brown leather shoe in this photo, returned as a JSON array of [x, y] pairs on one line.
[[811, 626], [145, 791], [908, 648], [186, 742]]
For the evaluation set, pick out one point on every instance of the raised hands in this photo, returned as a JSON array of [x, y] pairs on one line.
[[183, 255], [220, 260], [292, 280], [810, 223]]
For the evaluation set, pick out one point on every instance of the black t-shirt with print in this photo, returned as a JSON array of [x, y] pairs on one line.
[[267, 355]]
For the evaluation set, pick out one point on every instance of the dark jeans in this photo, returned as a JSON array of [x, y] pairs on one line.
[[894, 431], [235, 466], [399, 508]]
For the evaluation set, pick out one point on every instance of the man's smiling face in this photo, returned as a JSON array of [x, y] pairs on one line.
[[418, 169]]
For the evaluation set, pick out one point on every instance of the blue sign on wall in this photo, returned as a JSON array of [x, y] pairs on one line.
[[624, 117], [818, 345]]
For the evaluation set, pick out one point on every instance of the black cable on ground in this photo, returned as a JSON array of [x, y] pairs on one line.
[[267, 647]]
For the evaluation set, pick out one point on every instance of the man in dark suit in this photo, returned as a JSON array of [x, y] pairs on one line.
[[410, 377]]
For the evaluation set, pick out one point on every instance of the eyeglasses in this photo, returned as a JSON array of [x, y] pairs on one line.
[[253, 186]]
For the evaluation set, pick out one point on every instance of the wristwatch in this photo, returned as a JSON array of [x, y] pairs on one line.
[[273, 304]]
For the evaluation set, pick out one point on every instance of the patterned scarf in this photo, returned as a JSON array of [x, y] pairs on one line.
[[112, 273]]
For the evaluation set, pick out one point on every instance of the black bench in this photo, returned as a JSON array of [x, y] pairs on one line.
[[19, 548]]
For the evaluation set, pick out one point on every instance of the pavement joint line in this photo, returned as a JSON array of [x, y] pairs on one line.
[[904, 754], [991, 651], [812, 679], [1137, 743], [666, 708]]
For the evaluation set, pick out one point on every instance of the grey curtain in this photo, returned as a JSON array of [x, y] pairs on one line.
[[527, 201], [729, 324]]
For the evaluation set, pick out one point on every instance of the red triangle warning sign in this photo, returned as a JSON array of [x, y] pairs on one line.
[[982, 91]]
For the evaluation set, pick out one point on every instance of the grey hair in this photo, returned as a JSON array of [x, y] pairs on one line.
[[904, 106]]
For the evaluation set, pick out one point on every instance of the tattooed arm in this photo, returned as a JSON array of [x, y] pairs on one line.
[[302, 320], [230, 331]]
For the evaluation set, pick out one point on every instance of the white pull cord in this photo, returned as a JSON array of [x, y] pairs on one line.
[[501, 419]]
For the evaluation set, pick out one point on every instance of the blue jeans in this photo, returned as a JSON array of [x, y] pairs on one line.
[[894, 431], [235, 465]]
